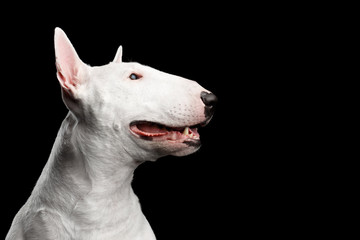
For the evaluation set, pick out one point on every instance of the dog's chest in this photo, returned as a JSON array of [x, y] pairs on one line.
[[107, 219], [138, 229]]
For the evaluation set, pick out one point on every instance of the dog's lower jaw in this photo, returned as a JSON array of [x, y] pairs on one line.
[[84, 195]]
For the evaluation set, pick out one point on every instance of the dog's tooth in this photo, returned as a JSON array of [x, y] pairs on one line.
[[186, 131]]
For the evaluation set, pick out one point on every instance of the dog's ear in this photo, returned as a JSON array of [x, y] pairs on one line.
[[118, 56], [70, 69]]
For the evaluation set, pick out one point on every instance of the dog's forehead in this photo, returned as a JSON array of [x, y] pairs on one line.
[[123, 68], [133, 67]]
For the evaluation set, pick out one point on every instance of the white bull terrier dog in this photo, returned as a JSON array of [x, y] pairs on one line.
[[120, 115]]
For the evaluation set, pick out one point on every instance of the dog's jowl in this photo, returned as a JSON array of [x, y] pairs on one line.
[[120, 115]]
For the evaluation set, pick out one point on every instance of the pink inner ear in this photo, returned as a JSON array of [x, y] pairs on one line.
[[68, 63], [62, 79]]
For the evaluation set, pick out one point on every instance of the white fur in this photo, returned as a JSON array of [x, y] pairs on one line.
[[84, 191]]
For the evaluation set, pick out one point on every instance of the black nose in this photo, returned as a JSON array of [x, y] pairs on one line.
[[209, 99]]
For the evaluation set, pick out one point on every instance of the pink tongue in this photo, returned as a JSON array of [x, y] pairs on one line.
[[151, 128]]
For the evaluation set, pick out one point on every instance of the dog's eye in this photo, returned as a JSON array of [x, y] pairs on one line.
[[134, 76]]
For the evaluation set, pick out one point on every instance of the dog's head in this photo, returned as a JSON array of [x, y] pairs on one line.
[[145, 112]]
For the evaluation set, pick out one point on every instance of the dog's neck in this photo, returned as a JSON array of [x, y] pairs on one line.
[[93, 181]]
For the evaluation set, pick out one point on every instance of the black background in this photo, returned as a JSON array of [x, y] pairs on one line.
[[242, 182]]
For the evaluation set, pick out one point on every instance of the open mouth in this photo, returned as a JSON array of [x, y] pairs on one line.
[[151, 130]]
